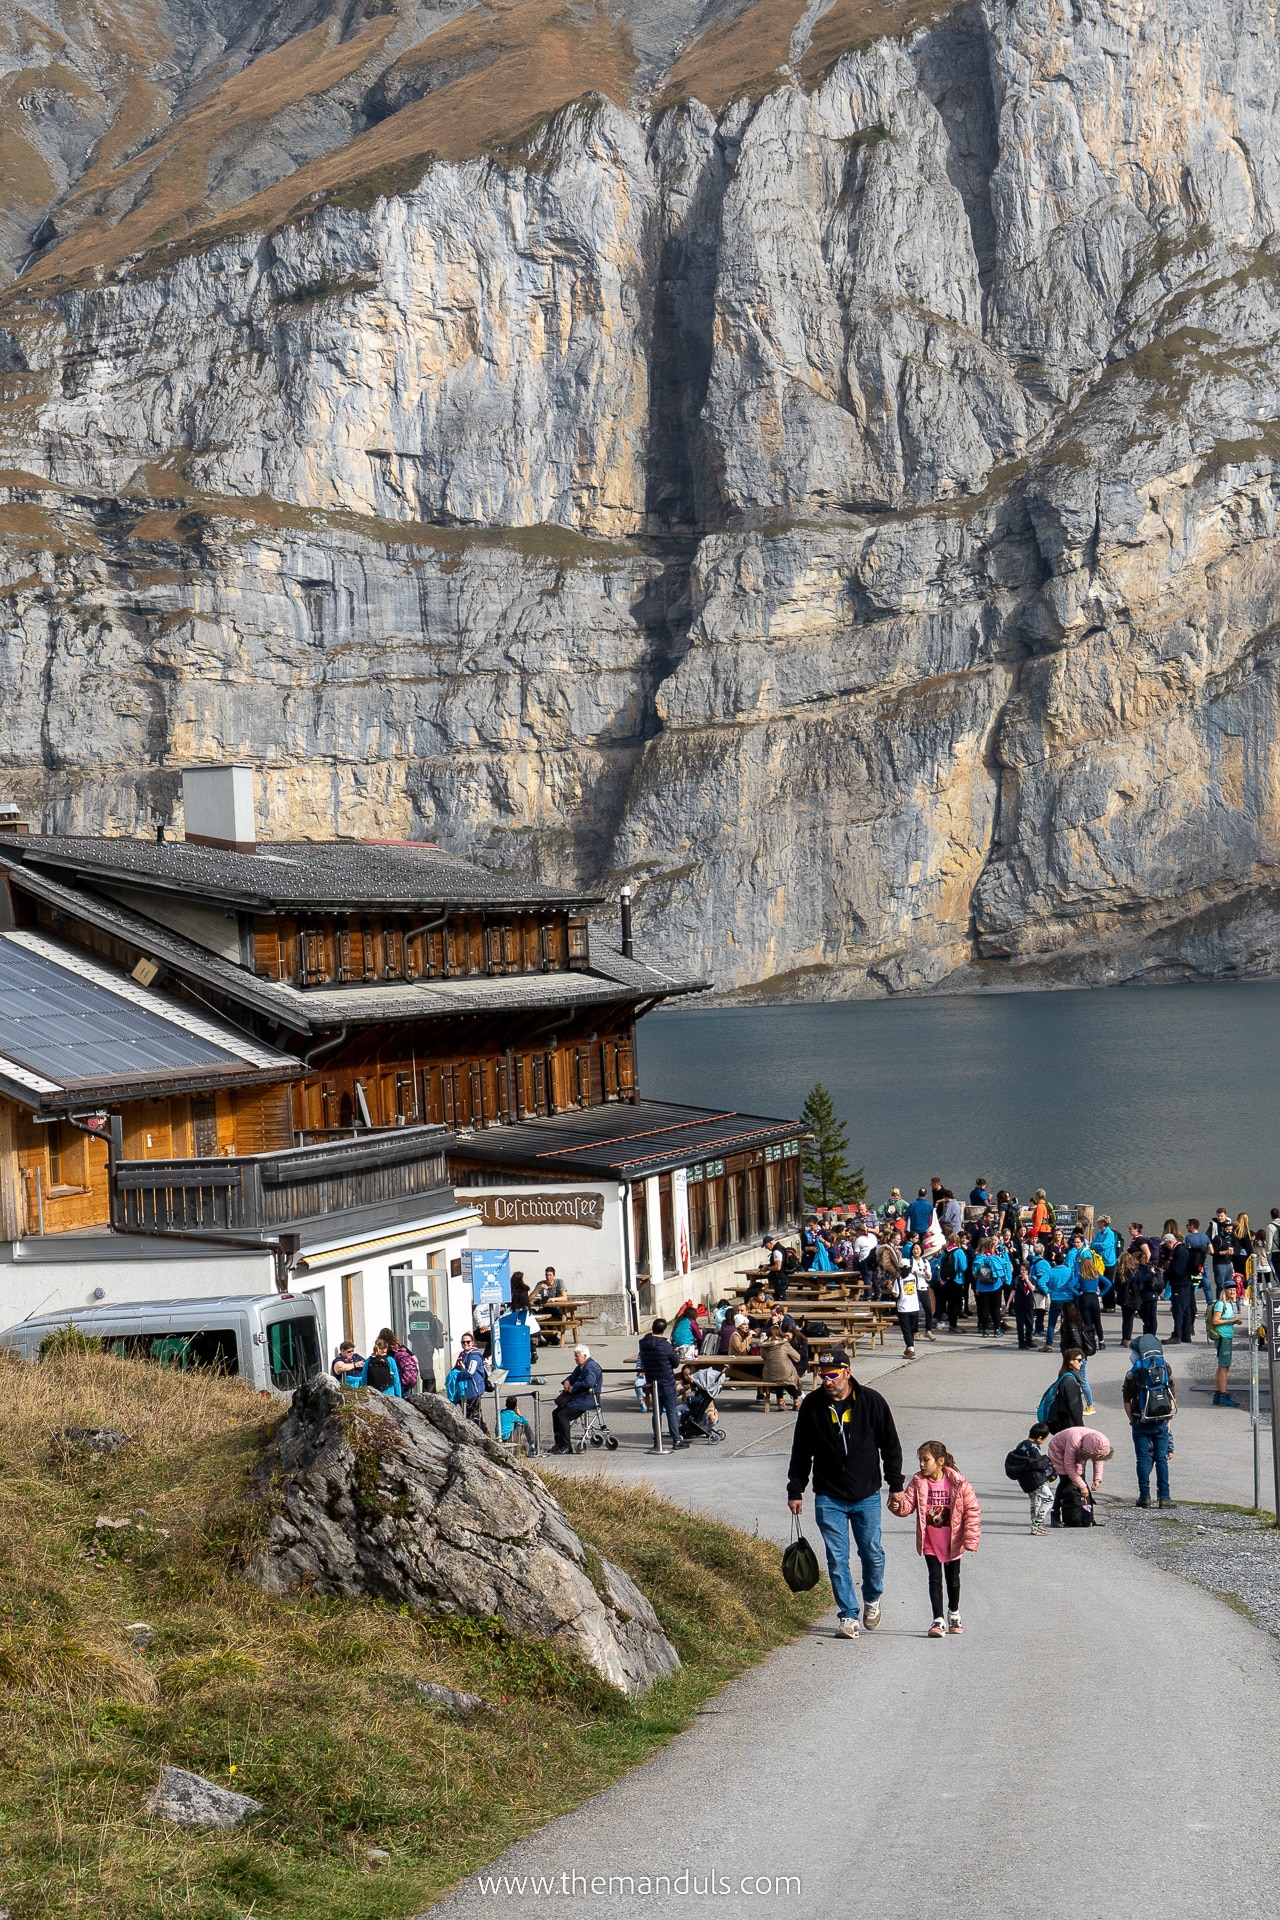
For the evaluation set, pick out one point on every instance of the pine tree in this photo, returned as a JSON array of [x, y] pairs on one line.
[[827, 1179]]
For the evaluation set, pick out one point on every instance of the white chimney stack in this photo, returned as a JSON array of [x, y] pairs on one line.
[[218, 808]]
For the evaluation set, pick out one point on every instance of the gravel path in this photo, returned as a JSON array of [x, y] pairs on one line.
[[1232, 1554]]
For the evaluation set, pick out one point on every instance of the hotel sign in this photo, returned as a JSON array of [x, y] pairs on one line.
[[539, 1209]]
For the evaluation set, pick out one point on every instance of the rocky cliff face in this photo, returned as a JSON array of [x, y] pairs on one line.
[[824, 473]]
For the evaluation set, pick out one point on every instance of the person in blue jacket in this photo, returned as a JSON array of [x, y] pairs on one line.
[[579, 1393], [992, 1273], [1061, 1285], [379, 1372], [920, 1214], [1106, 1244], [1088, 1281], [470, 1363]]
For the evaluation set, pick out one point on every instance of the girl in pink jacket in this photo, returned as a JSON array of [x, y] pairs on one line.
[[948, 1523]]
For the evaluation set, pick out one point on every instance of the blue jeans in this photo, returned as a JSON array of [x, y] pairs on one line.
[[835, 1517], [1224, 1276], [1055, 1308], [1151, 1442]]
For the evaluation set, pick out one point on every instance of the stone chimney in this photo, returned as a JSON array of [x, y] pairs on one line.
[[218, 808]]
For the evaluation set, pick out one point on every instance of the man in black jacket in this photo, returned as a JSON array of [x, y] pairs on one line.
[[658, 1364], [843, 1434]]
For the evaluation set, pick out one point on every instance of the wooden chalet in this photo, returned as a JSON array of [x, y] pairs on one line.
[[403, 1004]]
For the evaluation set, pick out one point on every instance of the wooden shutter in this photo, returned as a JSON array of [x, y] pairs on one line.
[[266, 952], [579, 950], [626, 1070]]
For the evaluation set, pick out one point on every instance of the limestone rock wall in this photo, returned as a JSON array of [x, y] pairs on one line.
[[848, 513]]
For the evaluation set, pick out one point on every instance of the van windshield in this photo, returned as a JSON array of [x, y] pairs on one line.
[[293, 1351], [212, 1349]]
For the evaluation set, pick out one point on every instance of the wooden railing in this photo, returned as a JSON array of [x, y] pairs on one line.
[[259, 1194]]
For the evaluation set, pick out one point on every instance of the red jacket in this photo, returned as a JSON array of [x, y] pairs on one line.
[[966, 1515]]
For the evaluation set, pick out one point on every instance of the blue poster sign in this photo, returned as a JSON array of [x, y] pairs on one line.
[[489, 1272]]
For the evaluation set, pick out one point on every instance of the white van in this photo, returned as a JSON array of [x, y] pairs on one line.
[[270, 1340]]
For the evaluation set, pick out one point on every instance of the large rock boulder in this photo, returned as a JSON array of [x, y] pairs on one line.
[[379, 1496]]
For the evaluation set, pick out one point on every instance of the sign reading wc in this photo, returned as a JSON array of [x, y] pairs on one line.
[[539, 1209]]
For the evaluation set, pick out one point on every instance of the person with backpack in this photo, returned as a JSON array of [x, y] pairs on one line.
[[406, 1363], [1062, 1403], [1222, 1250], [992, 1273], [904, 1290], [922, 1273], [953, 1270], [948, 1524], [1222, 1325], [1027, 1465], [1070, 1452], [1150, 1402], [381, 1373], [1149, 1283]]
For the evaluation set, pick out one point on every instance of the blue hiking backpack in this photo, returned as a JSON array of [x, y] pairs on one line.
[[455, 1386], [1155, 1388]]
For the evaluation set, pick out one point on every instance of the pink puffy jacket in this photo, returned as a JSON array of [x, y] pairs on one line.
[[966, 1515]]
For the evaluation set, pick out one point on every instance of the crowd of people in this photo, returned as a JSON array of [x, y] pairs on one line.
[[940, 1262]]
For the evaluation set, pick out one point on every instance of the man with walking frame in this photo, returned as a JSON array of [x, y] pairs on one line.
[[845, 1436], [579, 1393]]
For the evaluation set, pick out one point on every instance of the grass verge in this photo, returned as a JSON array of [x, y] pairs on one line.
[[127, 1646]]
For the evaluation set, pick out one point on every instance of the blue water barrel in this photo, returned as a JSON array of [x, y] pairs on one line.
[[517, 1345]]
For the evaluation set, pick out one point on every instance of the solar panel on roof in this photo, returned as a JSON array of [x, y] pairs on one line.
[[68, 1029]]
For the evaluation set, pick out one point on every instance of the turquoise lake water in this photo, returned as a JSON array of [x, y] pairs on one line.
[[1145, 1101]]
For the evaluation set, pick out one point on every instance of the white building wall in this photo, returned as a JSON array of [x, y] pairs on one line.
[[64, 1271]]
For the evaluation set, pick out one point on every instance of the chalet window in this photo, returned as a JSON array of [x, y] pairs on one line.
[[369, 943], [406, 1099], [495, 953], [608, 1070], [532, 940], [204, 1125], [582, 1075], [478, 1115], [579, 944], [540, 1077], [393, 954], [522, 1087], [350, 955]]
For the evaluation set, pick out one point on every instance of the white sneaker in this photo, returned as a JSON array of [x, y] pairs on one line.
[[846, 1629], [953, 1623], [871, 1615], [938, 1631]]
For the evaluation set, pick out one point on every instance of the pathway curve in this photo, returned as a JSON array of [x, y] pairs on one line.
[[1087, 1737]]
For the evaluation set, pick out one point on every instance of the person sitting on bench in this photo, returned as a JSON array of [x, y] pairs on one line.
[[548, 1302]]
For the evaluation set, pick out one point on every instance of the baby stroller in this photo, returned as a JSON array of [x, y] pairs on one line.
[[591, 1430], [695, 1419]]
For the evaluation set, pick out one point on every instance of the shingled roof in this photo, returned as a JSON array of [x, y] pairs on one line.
[[296, 876]]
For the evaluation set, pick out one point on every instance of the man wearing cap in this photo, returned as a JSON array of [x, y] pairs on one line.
[[845, 1436]]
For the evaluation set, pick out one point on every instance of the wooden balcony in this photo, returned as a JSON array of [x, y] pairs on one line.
[[258, 1195]]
